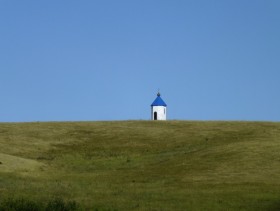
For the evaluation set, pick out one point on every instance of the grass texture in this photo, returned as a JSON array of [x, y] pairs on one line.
[[143, 165]]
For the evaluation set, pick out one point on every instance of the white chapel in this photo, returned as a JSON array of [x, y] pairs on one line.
[[158, 109]]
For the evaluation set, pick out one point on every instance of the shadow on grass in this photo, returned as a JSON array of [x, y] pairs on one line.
[[274, 206]]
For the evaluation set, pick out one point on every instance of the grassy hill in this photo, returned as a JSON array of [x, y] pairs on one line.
[[143, 165]]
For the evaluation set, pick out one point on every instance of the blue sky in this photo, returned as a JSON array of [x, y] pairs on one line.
[[106, 59]]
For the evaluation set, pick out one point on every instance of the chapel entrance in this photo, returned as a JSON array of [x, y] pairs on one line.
[[155, 115]]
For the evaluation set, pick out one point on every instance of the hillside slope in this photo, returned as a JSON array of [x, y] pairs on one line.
[[144, 165]]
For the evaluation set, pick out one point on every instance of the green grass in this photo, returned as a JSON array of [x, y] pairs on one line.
[[143, 165]]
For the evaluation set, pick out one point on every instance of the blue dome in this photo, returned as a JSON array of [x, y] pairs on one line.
[[158, 101]]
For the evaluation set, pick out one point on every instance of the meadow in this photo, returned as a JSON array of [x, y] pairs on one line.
[[143, 165]]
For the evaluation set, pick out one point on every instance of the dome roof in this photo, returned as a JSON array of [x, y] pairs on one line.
[[158, 101]]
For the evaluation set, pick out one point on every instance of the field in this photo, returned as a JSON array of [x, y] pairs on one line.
[[143, 165]]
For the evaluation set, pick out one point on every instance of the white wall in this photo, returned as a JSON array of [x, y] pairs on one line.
[[161, 112]]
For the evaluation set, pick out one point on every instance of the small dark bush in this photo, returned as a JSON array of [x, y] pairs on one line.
[[19, 205], [57, 204]]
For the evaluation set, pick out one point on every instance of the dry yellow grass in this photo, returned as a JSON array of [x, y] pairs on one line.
[[10, 163]]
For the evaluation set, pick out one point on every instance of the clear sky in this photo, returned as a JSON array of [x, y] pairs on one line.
[[66, 60]]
